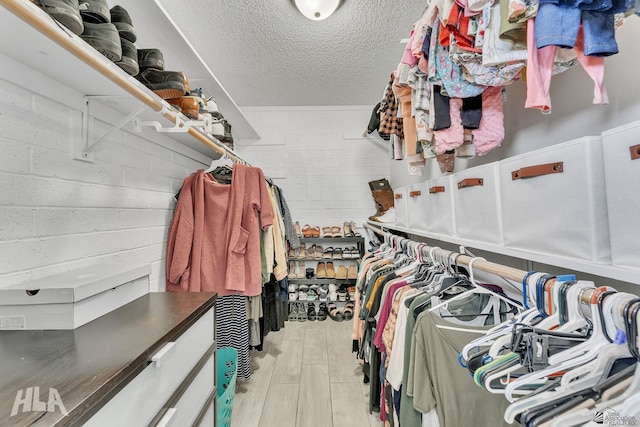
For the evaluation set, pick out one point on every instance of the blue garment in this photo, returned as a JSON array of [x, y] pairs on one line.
[[556, 26], [599, 34]]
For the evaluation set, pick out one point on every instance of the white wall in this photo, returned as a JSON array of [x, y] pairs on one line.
[[57, 214], [320, 160], [573, 114]]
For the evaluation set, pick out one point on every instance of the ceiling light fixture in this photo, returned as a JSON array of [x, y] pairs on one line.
[[317, 10]]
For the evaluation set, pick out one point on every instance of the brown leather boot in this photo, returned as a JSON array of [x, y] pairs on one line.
[[382, 195]]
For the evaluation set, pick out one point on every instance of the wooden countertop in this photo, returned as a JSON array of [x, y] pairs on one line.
[[89, 365]]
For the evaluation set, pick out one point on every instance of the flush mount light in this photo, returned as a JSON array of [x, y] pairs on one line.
[[317, 10]]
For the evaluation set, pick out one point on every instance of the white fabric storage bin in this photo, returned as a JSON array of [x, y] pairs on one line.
[[417, 206], [554, 203], [400, 205], [476, 195], [621, 147], [440, 209]]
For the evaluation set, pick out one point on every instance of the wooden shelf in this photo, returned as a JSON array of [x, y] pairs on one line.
[[30, 37]]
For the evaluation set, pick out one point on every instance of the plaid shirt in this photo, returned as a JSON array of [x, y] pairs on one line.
[[390, 123]]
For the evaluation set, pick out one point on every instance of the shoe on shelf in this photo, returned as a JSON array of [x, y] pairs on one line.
[[188, 105], [166, 84], [319, 252], [302, 292], [342, 273], [331, 272], [347, 229], [307, 231], [322, 311], [150, 58], [300, 273], [334, 312], [64, 11], [335, 231], [342, 295], [322, 294], [302, 251], [354, 230], [337, 253], [326, 232], [297, 225], [228, 137], [311, 252], [352, 272], [352, 293], [291, 254], [292, 270], [311, 312], [321, 270], [104, 38], [302, 312], [293, 312], [129, 60], [94, 11], [292, 287], [312, 295], [293, 296], [121, 19], [328, 253]]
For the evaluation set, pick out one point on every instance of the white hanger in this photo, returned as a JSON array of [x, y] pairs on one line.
[[224, 160]]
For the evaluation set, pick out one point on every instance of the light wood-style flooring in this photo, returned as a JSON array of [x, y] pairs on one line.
[[306, 376]]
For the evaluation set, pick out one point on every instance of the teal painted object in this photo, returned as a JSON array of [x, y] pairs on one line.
[[226, 373]]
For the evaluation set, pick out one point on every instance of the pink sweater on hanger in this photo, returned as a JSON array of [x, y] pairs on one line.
[[214, 239]]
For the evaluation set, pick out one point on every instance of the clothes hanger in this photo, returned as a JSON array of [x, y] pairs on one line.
[[575, 356], [223, 161]]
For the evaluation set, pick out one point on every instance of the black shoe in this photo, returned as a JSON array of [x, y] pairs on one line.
[[104, 38], [228, 138], [64, 11], [121, 19], [150, 58], [94, 11], [166, 84], [129, 60]]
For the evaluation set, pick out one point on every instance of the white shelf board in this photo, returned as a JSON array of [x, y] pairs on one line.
[[604, 270], [26, 45]]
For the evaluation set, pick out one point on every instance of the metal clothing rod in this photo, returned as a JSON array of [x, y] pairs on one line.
[[479, 264]]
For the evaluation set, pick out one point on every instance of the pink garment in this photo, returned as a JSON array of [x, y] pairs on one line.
[[385, 311], [490, 133], [214, 238], [407, 57], [452, 137], [540, 67]]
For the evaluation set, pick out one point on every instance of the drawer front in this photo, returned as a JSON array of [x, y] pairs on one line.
[[417, 207], [476, 194], [186, 410], [553, 201], [140, 400], [621, 147], [209, 418], [440, 209], [400, 206]]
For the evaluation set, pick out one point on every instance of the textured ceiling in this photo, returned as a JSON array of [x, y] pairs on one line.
[[265, 53]]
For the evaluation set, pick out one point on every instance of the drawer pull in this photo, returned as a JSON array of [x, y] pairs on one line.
[[635, 152], [470, 182], [415, 193], [167, 417], [398, 196], [163, 352], [533, 171], [436, 189]]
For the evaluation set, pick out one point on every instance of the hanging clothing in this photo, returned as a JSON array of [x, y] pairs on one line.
[[214, 238], [232, 329]]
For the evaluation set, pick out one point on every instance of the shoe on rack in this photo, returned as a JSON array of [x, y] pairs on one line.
[[300, 274], [166, 84], [188, 105], [217, 129], [347, 229], [297, 225], [228, 137], [302, 312], [292, 270], [129, 60], [352, 272], [104, 38], [150, 58], [94, 11], [311, 252], [335, 231], [342, 273], [302, 251], [121, 19], [293, 296], [326, 232], [321, 270], [354, 230], [318, 253], [337, 253], [311, 312], [328, 253], [64, 11], [331, 272], [322, 311]]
